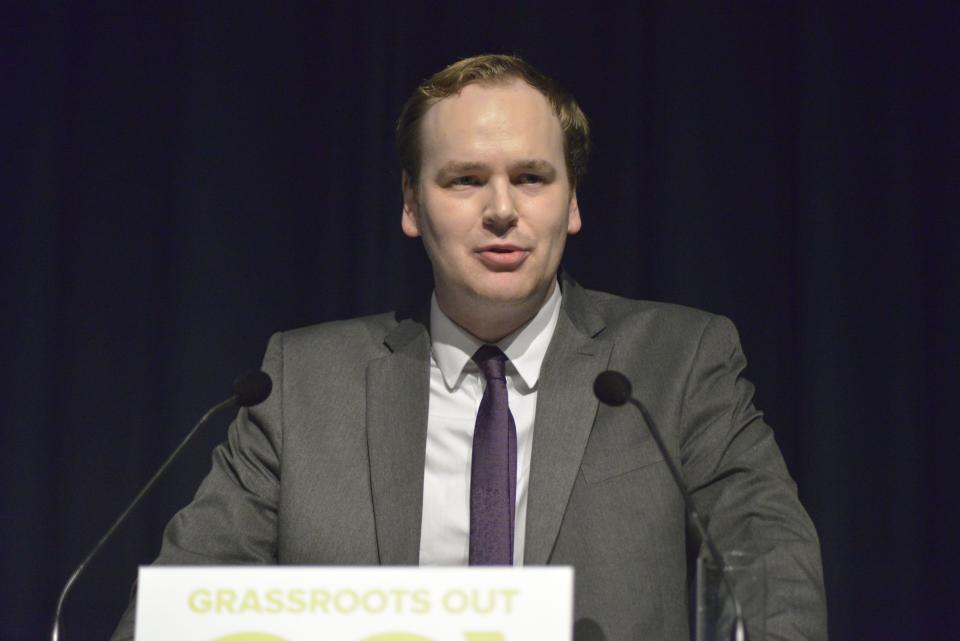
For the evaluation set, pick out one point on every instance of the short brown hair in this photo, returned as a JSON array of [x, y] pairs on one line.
[[492, 69]]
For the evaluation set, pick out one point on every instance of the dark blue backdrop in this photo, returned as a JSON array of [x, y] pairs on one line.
[[181, 179]]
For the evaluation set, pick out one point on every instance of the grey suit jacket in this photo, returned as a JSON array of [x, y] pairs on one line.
[[344, 432]]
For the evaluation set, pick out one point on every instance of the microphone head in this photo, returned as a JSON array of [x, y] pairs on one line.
[[612, 388], [252, 388], [587, 629]]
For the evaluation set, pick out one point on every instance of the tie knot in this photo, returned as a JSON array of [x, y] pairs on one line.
[[492, 362]]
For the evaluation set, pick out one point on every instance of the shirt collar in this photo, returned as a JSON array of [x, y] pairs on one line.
[[453, 347]]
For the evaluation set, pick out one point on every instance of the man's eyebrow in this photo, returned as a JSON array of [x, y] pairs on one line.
[[536, 165], [460, 167], [466, 166]]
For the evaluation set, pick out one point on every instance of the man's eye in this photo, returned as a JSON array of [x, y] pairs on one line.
[[465, 181], [529, 179]]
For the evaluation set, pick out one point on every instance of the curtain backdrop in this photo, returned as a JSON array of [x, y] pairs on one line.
[[182, 179]]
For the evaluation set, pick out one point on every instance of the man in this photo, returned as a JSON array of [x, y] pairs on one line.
[[469, 433]]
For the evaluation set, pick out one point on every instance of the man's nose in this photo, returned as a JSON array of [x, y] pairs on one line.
[[501, 210]]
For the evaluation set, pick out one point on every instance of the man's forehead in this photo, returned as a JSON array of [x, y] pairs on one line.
[[508, 111], [478, 96]]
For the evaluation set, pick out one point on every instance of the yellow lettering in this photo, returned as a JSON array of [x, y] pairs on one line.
[[345, 601], [318, 600], [508, 599], [482, 606], [399, 596], [225, 601], [250, 602], [199, 601], [455, 601], [274, 599], [379, 601], [296, 601], [421, 602]]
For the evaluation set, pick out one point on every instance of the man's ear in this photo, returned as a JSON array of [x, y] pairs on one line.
[[573, 215], [409, 222]]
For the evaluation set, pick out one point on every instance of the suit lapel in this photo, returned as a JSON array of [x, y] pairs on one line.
[[398, 393], [566, 408]]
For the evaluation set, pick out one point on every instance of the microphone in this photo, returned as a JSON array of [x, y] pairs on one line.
[[586, 629], [614, 389], [252, 388], [249, 389]]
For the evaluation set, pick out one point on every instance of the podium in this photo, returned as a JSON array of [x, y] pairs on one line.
[[287, 603]]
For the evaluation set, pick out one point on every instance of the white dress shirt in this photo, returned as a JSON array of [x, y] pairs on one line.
[[456, 388]]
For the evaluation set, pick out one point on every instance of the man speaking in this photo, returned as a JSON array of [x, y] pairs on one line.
[[468, 432]]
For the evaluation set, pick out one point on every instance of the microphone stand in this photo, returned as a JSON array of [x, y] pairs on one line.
[[614, 389], [216, 409], [739, 632]]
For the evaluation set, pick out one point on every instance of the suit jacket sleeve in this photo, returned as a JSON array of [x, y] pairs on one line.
[[233, 516], [740, 483]]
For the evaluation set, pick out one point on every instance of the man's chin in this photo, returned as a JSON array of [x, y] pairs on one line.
[[505, 297], [495, 292]]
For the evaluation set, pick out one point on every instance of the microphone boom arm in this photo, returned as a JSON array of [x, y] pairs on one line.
[[614, 389], [216, 409]]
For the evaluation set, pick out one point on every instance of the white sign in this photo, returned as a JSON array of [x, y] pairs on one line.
[[284, 603]]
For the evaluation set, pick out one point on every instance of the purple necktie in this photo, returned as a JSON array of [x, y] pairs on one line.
[[493, 473]]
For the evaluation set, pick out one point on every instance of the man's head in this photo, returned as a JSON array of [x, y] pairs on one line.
[[487, 186], [492, 70]]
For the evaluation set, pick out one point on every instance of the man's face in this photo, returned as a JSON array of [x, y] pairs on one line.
[[494, 204]]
